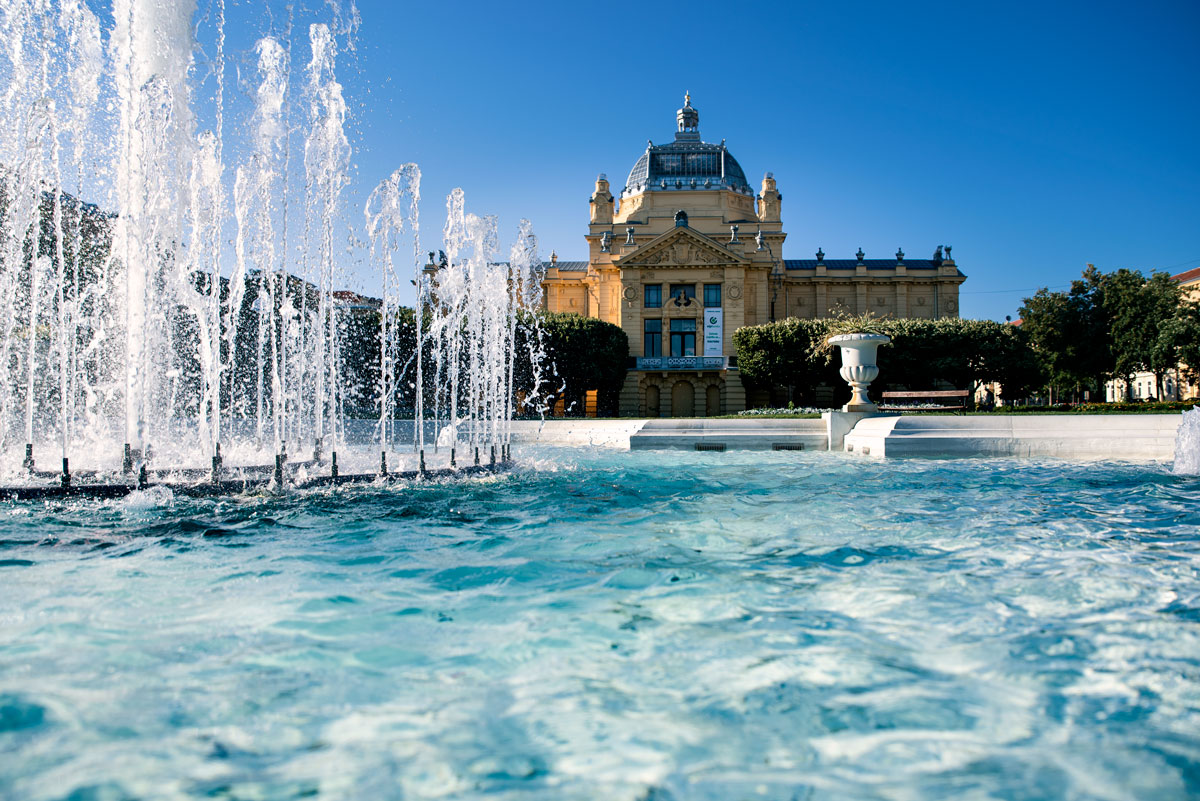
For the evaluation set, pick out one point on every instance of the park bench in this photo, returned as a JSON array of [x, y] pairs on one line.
[[938, 400]]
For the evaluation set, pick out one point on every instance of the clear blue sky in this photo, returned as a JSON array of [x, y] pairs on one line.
[[1033, 137]]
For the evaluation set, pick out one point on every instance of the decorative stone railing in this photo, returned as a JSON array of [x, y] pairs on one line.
[[683, 363]]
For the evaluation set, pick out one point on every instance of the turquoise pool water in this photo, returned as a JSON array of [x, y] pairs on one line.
[[617, 626]]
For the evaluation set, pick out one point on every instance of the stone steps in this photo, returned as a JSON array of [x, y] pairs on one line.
[[715, 435], [1142, 437]]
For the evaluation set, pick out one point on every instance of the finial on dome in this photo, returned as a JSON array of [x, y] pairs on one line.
[[688, 119]]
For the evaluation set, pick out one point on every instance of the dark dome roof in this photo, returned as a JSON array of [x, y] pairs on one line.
[[686, 163]]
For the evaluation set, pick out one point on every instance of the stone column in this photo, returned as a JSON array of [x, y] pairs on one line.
[[733, 393], [630, 399], [733, 308]]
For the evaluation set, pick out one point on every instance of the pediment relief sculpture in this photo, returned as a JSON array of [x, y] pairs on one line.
[[680, 254], [681, 250]]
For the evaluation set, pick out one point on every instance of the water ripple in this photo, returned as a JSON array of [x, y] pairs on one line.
[[628, 626]]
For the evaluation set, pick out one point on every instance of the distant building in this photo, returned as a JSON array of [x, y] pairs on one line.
[[689, 253], [352, 301], [1189, 281]]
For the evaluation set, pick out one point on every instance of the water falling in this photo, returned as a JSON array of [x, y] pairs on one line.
[[1187, 444], [192, 309], [391, 212], [150, 50], [260, 184]]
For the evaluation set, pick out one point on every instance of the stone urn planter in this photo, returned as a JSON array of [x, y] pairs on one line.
[[858, 366]]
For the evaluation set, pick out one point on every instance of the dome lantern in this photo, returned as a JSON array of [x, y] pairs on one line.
[[688, 120], [687, 163]]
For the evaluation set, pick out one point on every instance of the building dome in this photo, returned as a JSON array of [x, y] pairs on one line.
[[687, 163]]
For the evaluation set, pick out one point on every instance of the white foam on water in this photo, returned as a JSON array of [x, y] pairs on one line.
[[1187, 444], [149, 498]]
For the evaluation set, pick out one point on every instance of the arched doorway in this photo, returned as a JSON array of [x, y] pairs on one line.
[[683, 400], [652, 407], [712, 401]]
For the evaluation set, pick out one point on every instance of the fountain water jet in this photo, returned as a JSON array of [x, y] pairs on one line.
[[185, 311], [1187, 444], [391, 210]]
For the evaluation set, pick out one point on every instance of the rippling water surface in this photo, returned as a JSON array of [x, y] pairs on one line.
[[617, 626]]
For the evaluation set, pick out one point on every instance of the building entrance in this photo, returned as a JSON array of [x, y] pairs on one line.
[[683, 400]]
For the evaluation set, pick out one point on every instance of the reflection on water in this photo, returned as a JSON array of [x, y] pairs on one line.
[[615, 625]]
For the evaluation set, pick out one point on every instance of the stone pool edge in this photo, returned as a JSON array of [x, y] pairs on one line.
[[1132, 437]]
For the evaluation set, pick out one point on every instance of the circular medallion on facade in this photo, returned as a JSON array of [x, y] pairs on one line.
[[735, 291], [630, 293], [951, 306]]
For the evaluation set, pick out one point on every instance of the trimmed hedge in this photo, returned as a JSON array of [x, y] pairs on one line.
[[923, 354], [1152, 406]]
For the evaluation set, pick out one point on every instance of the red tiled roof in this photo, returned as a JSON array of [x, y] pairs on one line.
[[1187, 276], [353, 298]]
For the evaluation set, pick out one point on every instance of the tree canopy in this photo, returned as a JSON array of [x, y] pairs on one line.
[[1112, 325], [581, 354]]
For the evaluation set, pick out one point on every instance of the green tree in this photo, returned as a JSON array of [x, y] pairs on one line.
[[1182, 334], [581, 354], [1141, 313], [1071, 333]]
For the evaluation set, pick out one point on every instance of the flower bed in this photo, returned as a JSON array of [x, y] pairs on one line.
[[788, 412]]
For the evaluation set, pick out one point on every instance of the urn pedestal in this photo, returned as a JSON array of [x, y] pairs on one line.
[[858, 366]]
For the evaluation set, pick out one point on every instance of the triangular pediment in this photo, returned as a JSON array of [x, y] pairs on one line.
[[682, 247]]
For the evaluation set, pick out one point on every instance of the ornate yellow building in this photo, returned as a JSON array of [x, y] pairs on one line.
[[689, 254]]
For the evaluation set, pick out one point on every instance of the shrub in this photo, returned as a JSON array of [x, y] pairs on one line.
[[923, 354]]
